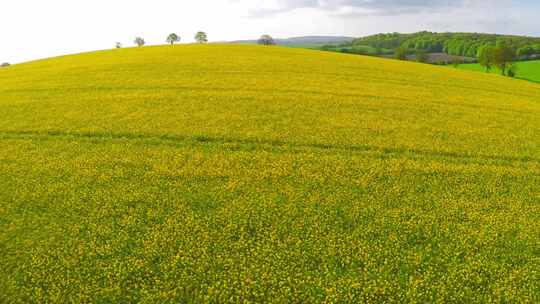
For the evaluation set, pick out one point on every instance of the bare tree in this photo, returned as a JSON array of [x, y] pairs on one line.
[[139, 41], [266, 40]]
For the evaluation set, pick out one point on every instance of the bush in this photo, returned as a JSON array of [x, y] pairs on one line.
[[422, 56], [401, 54], [512, 71]]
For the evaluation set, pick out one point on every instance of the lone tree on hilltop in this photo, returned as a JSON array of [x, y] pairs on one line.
[[266, 40], [139, 41], [201, 37], [172, 38], [118, 45]]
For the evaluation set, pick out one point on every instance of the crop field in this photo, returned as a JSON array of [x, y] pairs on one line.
[[234, 173], [527, 70]]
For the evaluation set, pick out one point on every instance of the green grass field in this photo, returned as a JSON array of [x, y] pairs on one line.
[[230, 173], [527, 70]]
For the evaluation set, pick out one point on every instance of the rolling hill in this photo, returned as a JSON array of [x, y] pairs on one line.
[[234, 173], [305, 41]]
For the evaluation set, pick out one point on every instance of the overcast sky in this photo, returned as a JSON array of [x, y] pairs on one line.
[[32, 29]]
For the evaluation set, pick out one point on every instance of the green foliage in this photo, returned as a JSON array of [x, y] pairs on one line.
[[356, 49], [385, 41], [458, 44], [139, 41], [236, 174], [201, 37], [526, 51], [172, 38], [422, 56], [400, 53], [500, 56], [512, 70], [503, 55], [485, 57], [527, 70]]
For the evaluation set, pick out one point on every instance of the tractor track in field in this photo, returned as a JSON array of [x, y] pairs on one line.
[[268, 144]]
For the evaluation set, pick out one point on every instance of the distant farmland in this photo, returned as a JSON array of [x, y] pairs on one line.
[[240, 173], [528, 70]]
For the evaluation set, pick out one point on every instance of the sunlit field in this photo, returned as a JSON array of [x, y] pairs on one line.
[[233, 173], [527, 70]]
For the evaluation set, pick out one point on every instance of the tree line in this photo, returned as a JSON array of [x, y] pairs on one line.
[[200, 37], [172, 38], [500, 56], [457, 44]]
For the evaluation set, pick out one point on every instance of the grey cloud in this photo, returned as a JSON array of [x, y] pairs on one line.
[[391, 7]]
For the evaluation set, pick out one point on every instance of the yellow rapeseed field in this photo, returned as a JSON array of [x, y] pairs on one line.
[[247, 174]]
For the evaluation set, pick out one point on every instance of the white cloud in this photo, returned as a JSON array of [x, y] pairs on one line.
[[385, 7], [31, 29]]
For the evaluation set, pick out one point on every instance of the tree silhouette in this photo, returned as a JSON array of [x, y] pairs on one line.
[[139, 41], [201, 37], [266, 40], [172, 38]]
